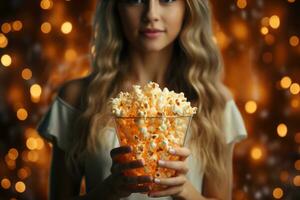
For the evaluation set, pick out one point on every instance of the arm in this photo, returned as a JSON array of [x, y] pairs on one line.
[[63, 186], [211, 191], [224, 192]]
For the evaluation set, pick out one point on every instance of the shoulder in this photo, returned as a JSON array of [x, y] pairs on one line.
[[226, 92], [74, 91]]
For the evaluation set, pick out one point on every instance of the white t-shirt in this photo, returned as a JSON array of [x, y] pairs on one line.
[[59, 118]]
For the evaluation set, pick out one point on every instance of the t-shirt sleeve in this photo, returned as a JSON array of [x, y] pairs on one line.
[[235, 130], [58, 122]]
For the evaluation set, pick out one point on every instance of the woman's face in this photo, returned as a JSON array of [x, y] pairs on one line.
[[138, 15]]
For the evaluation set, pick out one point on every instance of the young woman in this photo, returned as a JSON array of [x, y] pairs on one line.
[[137, 41]]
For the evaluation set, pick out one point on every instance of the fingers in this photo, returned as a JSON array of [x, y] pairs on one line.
[[179, 166], [183, 152], [118, 168], [172, 191], [119, 151], [173, 181], [134, 180]]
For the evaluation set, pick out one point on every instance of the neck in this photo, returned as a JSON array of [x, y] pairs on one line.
[[149, 66]]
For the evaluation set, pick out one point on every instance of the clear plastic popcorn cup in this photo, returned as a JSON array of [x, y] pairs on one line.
[[150, 139]]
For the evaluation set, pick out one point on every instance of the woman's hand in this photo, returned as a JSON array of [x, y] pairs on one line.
[[123, 186], [178, 185]]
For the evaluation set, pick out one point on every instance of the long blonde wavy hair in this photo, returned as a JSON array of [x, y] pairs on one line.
[[196, 69]]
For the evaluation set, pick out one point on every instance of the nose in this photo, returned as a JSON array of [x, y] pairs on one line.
[[151, 11]]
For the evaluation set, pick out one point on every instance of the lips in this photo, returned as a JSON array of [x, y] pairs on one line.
[[151, 31]]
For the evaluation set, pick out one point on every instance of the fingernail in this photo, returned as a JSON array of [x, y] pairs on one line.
[[156, 180], [172, 151], [161, 162]]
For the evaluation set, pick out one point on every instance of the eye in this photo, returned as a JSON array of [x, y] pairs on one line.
[[167, 1], [134, 1]]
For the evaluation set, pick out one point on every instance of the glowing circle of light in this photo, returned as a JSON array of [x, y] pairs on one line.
[[282, 130], [285, 82], [20, 187], [3, 41], [251, 107], [296, 180], [35, 90], [277, 193], [22, 114], [5, 183], [6, 60], [17, 25], [26, 74], [256, 153], [274, 22], [66, 27], [295, 88], [46, 27], [6, 27], [294, 41]]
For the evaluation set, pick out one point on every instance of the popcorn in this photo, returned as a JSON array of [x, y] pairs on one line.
[[152, 121], [151, 101]]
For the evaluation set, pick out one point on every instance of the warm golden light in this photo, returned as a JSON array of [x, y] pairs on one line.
[[22, 173], [6, 27], [284, 176], [274, 21], [277, 193], [35, 90], [30, 132], [241, 4], [17, 25], [46, 4], [264, 30], [256, 153], [39, 143], [295, 88], [286, 82], [13, 154], [295, 103], [297, 165], [70, 55], [250, 107], [6, 60], [46, 27], [26, 74], [20, 187], [22, 114], [296, 180], [282, 130], [66, 27], [32, 156], [3, 41], [31, 143], [294, 41], [5, 183], [265, 21], [269, 39], [291, 1]]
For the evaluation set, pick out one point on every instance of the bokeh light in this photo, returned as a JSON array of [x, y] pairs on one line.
[[277, 193], [26, 74], [3, 41], [6, 60], [66, 27], [20, 187], [282, 130], [5, 183], [251, 107], [22, 114]]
